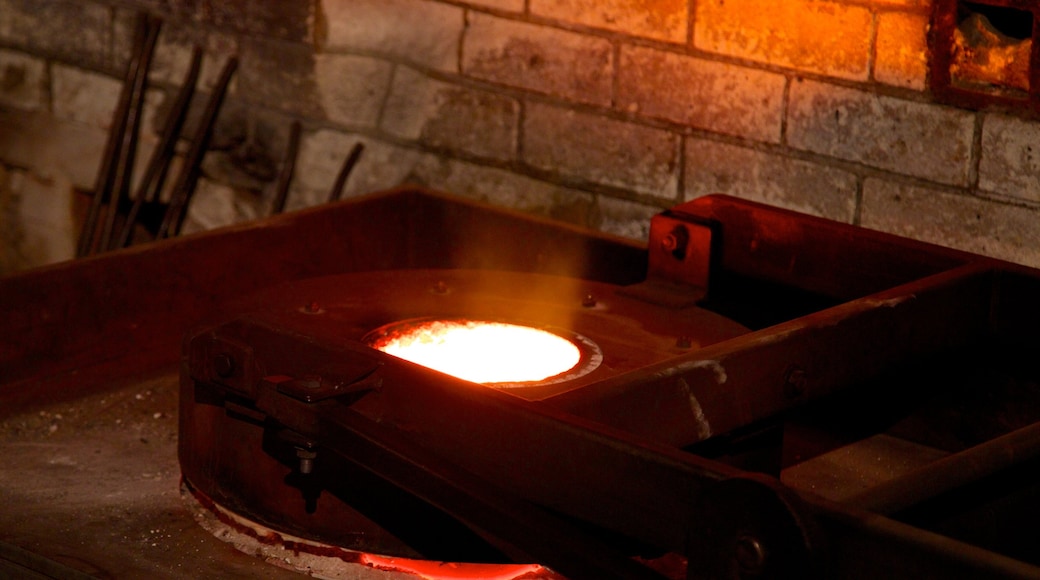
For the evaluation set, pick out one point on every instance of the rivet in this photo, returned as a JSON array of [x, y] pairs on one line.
[[224, 365], [684, 342], [588, 301], [795, 382], [750, 555], [440, 287]]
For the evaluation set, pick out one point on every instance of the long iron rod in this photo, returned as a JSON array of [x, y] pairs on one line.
[[155, 174], [348, 166], [106, 172], [189, 175], [128, 149], [288, 167]]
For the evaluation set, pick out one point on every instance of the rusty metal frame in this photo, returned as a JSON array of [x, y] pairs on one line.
[[725, 521], [78, 327]]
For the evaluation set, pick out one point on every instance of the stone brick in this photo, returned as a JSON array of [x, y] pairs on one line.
[[511, 5], [226, 14], [246, 168], [1010, 163], [22, 81], [11, 257], [91, 98], [953, 220], [829, 38], [76, 32], [505, 189], [699, 93], [659, 19], [384, 166], [231, 128], [173, 55], [10, 32], [566, 64], [46, 204], [318, 160], [899, 3], [124, 28], [273, 19], [279, 75], [443, 115], [351, 89], [60, 151], [36, 219], [321, 156], [902, 49], [294, 21], [217, 205], [84, 97], [246, 152], [420, 31], [286, 20], [923, 140], [772, 179], [82, 110], [628, 219], [264, 143], [601, 150]]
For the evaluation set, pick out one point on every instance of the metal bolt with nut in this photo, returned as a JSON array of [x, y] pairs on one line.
[[306, 457]]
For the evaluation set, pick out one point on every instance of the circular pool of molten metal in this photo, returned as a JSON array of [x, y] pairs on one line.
[[480, 351]]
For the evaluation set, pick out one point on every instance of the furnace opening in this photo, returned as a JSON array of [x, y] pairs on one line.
[[499, 354], [982, 53], [992, 46], [1006, 20]]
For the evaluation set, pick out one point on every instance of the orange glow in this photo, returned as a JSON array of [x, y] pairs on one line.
[[327, 561], [983, 55], [482, 352], [829, 38], [448, 571]]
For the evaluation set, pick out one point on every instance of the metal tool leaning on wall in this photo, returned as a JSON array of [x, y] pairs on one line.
[[122, 215]]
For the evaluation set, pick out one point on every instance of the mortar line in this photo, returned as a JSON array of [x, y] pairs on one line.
[[975, 160]]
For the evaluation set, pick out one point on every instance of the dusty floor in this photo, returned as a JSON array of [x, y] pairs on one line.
[[94, 484]]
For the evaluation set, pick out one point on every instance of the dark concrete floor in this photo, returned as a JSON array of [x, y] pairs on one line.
[[94, 485]]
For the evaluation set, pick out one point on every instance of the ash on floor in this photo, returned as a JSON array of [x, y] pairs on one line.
[[93, 485]]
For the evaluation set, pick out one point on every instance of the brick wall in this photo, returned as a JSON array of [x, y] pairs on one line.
[[597, 112]]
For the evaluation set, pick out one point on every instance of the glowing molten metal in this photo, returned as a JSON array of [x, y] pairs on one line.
[[482, 352]]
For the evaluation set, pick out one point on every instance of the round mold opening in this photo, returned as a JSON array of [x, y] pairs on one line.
[[490, 352]]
